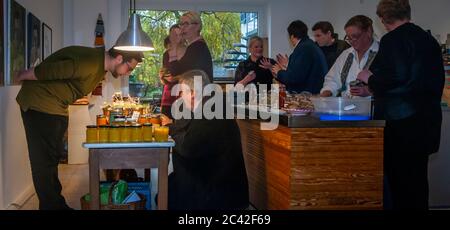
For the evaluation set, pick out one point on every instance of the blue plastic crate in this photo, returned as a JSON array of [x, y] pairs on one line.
[[143, 188]]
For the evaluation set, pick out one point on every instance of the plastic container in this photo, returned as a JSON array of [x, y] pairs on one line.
[[338, 108]]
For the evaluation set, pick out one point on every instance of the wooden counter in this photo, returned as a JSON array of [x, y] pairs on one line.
[[314, 165]]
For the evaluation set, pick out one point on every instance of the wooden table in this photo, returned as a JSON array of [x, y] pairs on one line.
[[129, 156]]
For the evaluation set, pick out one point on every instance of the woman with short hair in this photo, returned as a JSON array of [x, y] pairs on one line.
[[407, 79]]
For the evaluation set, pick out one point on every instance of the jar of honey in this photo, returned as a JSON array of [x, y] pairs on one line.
[[103, 134], [101, 120], [154, 120], [125, 134], [142, 119], [147, 132], [162, 134], [119, 120], [91, 134], [136, 133], [114, 134]]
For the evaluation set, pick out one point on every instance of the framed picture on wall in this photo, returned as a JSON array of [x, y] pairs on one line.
[[34, 41], [46, 41], [18, 44], [2, 49]]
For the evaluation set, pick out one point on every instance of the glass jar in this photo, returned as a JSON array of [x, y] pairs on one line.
[[147, 132], [161, 134], [125, 134], [103, 134], [116, 112], [142, 119], [130, 121], [114, 134], [154, 119], [119, 120], [91, 134], [101, 120], [136, 133]]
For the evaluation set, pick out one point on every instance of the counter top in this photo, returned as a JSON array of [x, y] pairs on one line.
[[312, 121]]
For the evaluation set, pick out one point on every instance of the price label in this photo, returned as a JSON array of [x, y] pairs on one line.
[[135, 115]]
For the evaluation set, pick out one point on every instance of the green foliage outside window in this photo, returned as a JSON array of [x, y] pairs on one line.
[[220, 30]]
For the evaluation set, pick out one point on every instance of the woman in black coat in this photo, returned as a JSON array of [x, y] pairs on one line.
[[256, 69], [407, 80]]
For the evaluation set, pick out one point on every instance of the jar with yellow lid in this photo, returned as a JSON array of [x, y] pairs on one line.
[[103, 134], [91, 134], [125, 133], [136, 133], [147, 132], [114, 134]]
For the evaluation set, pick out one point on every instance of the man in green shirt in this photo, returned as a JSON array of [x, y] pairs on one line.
[[47, 90]]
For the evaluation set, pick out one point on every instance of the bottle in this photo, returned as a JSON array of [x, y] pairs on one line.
[[99, 31]]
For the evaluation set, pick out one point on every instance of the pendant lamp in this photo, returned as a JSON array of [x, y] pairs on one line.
[[134, 38]]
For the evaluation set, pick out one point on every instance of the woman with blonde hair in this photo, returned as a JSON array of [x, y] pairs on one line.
[[257, 68], [407, 80], [197, 55]]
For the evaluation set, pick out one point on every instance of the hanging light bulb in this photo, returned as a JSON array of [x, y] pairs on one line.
[[134, 38]]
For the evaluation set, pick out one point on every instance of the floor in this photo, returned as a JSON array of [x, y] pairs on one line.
[[75, 182]]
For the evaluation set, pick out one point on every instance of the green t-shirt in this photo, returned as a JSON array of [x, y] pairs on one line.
[[65, 76]]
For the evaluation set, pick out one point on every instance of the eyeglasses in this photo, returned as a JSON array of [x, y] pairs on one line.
[[182, 24], [353, 38], [130, 68]]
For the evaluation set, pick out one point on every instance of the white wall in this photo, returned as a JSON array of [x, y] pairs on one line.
[[15, 176], [430, 14], [283, 12]]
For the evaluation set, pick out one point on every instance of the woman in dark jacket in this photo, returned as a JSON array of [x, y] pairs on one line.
[[256, 69], [197, 55], [407, 80]]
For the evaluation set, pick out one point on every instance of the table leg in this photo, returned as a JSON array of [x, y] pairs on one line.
[[163, 181], [94, 177]]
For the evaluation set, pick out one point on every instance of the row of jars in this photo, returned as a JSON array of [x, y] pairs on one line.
[[126, 133]]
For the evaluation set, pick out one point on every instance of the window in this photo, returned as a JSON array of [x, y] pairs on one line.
[[226, 34]]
